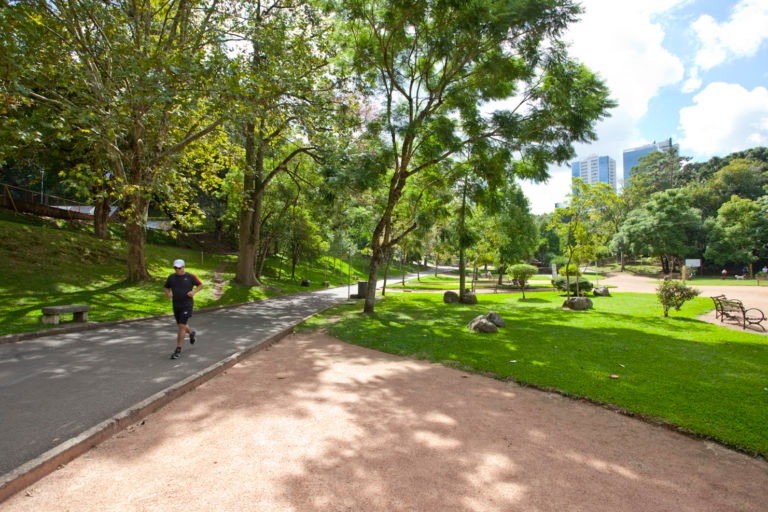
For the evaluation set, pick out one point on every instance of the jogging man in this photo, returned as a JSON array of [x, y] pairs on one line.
[[181, 286]]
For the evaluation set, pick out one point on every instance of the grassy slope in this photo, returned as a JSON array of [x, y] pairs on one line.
[[49, 263]]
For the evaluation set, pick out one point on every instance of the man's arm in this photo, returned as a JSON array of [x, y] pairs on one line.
[[197, 288]]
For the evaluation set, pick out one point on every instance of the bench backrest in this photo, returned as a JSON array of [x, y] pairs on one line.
[[732, 305]]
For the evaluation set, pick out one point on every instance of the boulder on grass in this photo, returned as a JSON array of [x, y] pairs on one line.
[[469, 298], [450, 297], [578, 303], [601, 291], [482, 324], [495, 319]]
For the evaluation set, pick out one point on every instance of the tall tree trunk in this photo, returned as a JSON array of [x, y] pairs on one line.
[[136, 237], [101, 218], [377, 256], [386, 272], [462, 275], [250, 213], [462, 228], [381, 242], [402, 270]]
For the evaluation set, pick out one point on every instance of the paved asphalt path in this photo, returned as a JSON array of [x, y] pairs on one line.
[[61, 386]]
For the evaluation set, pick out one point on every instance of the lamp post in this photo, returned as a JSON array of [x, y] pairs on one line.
[[349, 272]]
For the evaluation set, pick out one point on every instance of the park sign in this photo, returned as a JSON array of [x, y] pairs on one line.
[[693, 263]]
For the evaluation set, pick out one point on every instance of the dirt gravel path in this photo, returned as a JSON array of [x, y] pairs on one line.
[[315, 424]]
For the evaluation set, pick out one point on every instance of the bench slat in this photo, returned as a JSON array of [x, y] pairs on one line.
[[72, 308]]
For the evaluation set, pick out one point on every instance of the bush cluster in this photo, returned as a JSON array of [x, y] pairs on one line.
[[585, 286]]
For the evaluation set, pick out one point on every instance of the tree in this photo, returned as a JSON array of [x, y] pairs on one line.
[[549, 243], [301, 238], [522, 273], [666, 226], [608, 211], [282, 109], [655, 172], [469, 187], [734, 236], [572, 226], [744, 178], [518, 235], [132, 79], [434, 64], [673, 294]]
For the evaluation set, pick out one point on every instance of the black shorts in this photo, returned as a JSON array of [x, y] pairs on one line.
[[182, 313]]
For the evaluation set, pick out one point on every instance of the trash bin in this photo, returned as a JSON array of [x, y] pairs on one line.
[[362, 288]]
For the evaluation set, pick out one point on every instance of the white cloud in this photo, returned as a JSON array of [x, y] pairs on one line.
[[741, 36], [724, 118], [623, 44], [620, 41]]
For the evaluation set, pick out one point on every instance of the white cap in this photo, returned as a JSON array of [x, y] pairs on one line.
[[178, 263]]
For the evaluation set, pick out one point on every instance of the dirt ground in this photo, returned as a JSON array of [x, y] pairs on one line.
[[315, 424]]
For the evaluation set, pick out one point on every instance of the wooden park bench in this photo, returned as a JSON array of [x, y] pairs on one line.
[[79, 312], [733, 309]]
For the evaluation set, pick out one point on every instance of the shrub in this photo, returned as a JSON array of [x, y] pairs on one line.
[[570, 270], [522, 273], [673, 294], [585, 286]]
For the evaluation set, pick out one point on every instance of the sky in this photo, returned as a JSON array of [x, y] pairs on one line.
[[692, 70]]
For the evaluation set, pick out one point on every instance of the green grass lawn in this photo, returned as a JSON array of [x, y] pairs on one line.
[[450, 282], [701, 378], [54, 263]]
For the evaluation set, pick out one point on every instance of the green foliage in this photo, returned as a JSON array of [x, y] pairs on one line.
[[703, 378], [666, 226], [522, 273], [673, 294], [739, 231], [569, 270], [578, 285], [430, 113]]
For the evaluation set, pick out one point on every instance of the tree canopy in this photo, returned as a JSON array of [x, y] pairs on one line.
[[436, 67]]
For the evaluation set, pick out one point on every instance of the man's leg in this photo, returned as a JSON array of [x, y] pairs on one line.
[[182, 315], [183, 330]]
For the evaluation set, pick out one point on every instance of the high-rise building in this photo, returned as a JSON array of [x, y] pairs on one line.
[[594, 169], [632, 156]]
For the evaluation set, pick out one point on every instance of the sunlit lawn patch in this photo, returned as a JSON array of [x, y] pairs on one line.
[[700, 377]]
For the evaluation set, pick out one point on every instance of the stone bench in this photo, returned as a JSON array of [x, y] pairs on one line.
[[79, 312]]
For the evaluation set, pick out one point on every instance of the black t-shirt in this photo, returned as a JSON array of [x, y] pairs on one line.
[[180, 285]]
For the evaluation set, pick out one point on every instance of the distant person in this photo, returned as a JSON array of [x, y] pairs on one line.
[[765, 269], [181, 286], [724, 274]]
